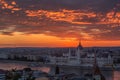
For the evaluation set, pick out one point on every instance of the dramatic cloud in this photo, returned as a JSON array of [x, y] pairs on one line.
[[80, 19]]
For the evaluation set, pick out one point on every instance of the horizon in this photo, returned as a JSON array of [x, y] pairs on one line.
[[59, 46], [59, 23]]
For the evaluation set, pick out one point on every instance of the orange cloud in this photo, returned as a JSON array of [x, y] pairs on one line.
[[76, 16], [12, 6], [73, 21], [62, 15]]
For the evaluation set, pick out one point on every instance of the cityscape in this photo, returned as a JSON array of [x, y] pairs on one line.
[[56, 63], [59, 39]]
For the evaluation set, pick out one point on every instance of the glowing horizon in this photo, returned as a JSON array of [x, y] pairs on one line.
[[41, 40]]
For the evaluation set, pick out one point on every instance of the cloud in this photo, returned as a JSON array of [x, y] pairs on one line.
[[80, 19]]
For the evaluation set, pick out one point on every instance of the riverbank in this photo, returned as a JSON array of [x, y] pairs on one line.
[[49, 68], [39, 64]]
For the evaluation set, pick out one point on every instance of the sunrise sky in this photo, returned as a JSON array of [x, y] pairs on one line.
[[59, 23]]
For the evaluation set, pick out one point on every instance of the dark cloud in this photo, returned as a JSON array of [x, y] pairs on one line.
[[95, 5], [82, 18]]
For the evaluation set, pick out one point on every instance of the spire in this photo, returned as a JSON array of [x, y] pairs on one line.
[[69, 51], [80, 45], [57, 70], [97, 69]]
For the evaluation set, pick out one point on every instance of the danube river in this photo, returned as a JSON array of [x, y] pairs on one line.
[[11, 65]]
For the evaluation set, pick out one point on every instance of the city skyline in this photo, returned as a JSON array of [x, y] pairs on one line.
[[59, 23]]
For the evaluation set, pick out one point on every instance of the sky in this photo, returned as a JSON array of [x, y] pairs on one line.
[[59, 23]]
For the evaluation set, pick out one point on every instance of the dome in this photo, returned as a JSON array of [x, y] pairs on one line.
[[80, 46]]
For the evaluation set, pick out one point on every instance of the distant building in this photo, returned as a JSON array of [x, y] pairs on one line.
[[4, 55], [80, 57]]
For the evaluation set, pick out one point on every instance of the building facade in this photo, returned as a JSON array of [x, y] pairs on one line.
[[79, 57]]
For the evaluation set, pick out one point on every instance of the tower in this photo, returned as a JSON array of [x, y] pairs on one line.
[[97, 75], [69, 54], [80, 47], [78, 52], [57, 70]]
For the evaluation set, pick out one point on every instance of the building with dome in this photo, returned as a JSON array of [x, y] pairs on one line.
[[81, 57]]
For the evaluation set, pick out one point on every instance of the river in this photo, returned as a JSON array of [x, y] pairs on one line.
[[10, 65]]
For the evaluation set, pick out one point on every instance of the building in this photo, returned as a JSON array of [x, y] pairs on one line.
[[80, 57]]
